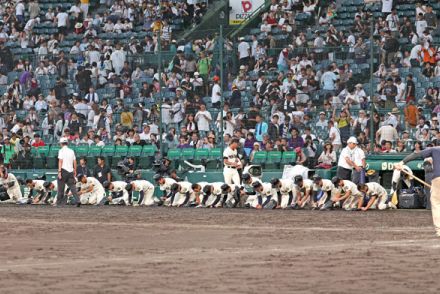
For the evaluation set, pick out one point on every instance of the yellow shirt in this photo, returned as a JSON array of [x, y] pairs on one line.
[[127, 119]]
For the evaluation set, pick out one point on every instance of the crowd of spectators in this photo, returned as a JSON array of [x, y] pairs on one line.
[[299, 81]]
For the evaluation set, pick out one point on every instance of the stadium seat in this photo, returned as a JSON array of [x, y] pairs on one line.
[[201, 155], [273, 159], [260, 157], [52, 157], [135, 151], [187, 154], [149, 150], [289, 157]]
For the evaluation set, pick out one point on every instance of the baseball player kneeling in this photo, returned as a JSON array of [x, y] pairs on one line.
[[211, 195], [346, 195], [91, 190], [198, 192], [10, 183], [304, 189], [286, 192], [181, 194], [322, 192], [52, 190], [248, 194], [230, 195], [118, 192], [264, 193], [146, 192], [375, 196], [165, 186], [36, 188]]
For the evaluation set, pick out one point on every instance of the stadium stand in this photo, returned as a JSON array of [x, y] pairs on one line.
[[88, 71]]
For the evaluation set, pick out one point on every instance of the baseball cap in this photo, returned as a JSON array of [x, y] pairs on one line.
[[63, 140], [352, 140]]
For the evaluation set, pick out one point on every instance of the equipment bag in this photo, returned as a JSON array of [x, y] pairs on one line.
[[411, 198]]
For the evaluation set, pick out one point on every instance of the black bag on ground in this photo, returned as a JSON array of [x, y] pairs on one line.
[[412, 198]]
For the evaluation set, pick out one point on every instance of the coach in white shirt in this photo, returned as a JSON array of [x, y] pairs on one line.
[[358, 173], [351, 161], [66, 174]]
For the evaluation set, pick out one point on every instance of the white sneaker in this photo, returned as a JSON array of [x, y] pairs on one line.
[[392, 205]]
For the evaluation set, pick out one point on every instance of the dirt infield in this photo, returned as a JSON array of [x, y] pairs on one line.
[[165, 250]]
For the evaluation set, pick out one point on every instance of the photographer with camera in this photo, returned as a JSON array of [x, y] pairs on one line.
[[162, 167]]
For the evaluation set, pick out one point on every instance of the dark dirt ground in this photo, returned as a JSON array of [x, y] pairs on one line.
[[166, 250]]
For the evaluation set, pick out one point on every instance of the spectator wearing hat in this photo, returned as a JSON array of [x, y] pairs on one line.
[[301, 158], [216, 92]]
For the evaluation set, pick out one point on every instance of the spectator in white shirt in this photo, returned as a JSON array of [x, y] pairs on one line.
[[203, 119]]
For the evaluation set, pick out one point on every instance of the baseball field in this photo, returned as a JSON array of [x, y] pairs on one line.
[[184, 250]]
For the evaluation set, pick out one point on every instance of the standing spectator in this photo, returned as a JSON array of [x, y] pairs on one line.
[[216, 92], [390, 92], [101, 171], [260, 128], [62, 19], [244, 52], [118, 59], [334, 136], [274, 128], [386, 133], [203, 119], [411, 115]]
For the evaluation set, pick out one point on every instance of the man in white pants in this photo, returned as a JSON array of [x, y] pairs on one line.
[[232, 163], [181, 194], [37, 187], [230, 195], [346, 195], [211, 195], [91, 190], [264, 193], [286, 192], [247, 190], [198, 192], [10, 183], [322, 192], [304, 188], [375, 196], [146, 192], [118, 192], [165, 186]]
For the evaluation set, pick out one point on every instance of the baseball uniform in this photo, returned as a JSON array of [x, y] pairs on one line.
[[119, 192], [96, 195], [230, 173], [146, 190], [287, 193]]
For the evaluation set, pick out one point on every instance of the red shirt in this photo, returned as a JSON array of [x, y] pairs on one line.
[[39, 144]]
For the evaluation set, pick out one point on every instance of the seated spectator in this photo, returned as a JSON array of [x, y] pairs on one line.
[[327, 159], [301, 158], [37, 142]]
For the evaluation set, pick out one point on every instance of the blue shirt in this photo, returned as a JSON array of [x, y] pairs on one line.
[[433, 152], [260, 130], [328, 80]]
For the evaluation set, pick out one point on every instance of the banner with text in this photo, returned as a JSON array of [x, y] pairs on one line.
[[242, 9]]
